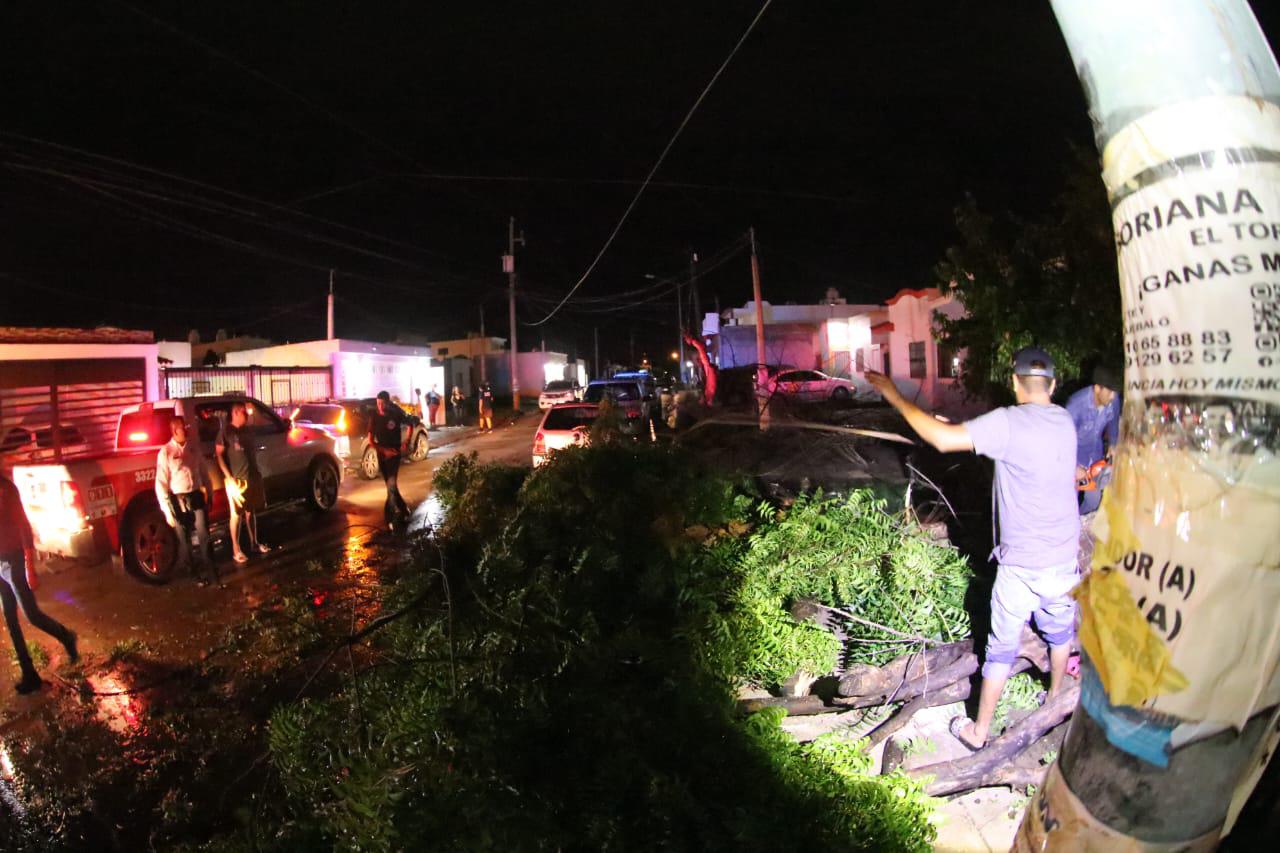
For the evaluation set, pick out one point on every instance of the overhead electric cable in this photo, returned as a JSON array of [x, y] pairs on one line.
[[657, 165]]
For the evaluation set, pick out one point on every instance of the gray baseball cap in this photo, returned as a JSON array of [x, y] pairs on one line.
[[1032, 361]]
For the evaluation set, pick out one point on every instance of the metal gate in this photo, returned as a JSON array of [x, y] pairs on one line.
[[278, 387]]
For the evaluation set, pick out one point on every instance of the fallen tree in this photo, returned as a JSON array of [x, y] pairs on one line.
[[996, 764]]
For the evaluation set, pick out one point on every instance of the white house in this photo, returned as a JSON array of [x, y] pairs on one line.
[[360, 368], [924, 369]]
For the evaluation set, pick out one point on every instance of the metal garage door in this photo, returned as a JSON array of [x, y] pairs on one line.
[[82, 396]]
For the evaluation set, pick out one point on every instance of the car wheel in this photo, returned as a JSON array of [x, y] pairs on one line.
[[369, 464], [323, 480], [150, 546], [421, 446], [840, 394]]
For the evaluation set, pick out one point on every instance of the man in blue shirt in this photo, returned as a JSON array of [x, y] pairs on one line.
[[1095, 410]]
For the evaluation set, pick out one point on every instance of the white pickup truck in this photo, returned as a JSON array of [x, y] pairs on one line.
[[105, 505]]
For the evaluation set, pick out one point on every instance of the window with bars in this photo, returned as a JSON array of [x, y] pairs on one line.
[[915, 352]]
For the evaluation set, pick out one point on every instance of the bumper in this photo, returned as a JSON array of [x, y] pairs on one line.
[[78, 544]]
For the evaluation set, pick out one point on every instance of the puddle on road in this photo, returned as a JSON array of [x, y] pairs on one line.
[[121, 710]]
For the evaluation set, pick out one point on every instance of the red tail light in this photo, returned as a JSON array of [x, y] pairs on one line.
[[539, 444], [73, 504], [139, 437], [633, 414], [342, 421]]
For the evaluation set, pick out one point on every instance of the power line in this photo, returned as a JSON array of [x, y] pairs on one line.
[[657, 165], [255, 73]]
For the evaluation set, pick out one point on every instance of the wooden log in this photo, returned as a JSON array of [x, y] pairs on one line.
[[957, 691], [937, 679], [979, 769], [866, 680], [795, 706], [877, 684]]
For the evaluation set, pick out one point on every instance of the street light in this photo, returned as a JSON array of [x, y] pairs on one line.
[[675, 356]]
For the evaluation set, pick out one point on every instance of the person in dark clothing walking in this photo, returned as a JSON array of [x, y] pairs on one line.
[[386, 435], [17, 570], [433, 407]]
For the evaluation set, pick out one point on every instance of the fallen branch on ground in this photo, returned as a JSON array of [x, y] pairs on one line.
[[984, 767], [957, 691]]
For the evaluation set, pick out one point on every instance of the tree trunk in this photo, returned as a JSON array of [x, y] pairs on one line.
[[795, 706], [984, 766], [957, 691], [900, 691]]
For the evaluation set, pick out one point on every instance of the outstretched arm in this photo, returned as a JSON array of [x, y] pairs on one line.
[[946, 437]]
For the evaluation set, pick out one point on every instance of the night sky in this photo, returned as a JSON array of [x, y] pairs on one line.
[[176, 165]]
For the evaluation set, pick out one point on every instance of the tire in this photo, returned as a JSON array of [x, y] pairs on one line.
[[420, 447], [369, 464], [150, 546], [322, 485], [840, 394]]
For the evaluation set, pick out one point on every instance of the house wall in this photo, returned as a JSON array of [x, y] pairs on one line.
[[911, 313], [793, 344], [360, 368]]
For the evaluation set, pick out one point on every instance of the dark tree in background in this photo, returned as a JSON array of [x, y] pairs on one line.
[[1052, 283]]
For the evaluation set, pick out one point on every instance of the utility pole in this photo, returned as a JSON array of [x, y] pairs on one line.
[[596, 334], [697, 300], [680, 330], [509, 266], [330, 330], [484, 346], [1178, 712], [762, 375]]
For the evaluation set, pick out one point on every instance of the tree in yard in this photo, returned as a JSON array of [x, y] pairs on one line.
[[1052, 283]]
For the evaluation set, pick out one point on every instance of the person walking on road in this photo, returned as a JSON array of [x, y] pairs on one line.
[[486, 407], [18, 573], [386, 435], [433, 407], [184, 492], [458, 402], [1095, 411], [1034, 496], [246, 492]]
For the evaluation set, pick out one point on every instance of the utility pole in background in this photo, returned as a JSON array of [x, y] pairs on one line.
[[680, 330], [697, 300], [484, 345], [330, 330], [761, 374], [509, 267], [596, 334]]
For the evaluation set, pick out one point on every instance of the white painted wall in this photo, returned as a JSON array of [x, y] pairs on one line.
[[149, 353]]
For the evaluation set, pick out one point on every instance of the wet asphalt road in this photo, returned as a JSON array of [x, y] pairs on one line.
[[182, 620]]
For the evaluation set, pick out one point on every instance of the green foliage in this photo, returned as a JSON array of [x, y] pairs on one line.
[[573, 685], [1052, 283], [129, 649], [919, 746], [39, 657], [1021, 692], [849, 553]]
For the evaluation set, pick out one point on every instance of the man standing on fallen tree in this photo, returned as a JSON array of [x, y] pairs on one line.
[[1037, 522]]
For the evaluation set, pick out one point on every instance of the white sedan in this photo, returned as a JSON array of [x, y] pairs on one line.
[[558, 391], [812, 386], [567, 425]]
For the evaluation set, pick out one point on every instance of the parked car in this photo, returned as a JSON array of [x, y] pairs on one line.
[[639, 405], [105, 504], [812, 386], [559, 391], [566, 425], [347, 422]]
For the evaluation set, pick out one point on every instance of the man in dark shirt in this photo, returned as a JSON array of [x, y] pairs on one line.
[[246, 492], [18, 573], [386, 435], [486, 407]]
